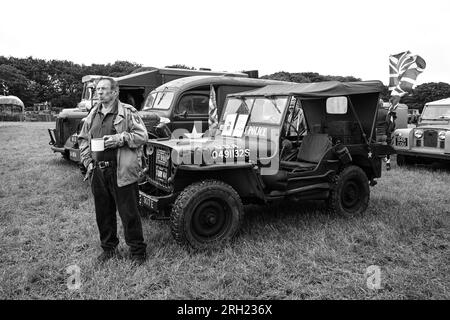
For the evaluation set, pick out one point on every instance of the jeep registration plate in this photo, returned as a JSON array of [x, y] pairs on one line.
[[401, 141], [148, 201]]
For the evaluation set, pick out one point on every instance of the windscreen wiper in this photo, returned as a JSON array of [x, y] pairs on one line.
[[162, 95]]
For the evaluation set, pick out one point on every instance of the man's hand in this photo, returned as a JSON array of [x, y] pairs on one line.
[[112, 141], [89, 171]]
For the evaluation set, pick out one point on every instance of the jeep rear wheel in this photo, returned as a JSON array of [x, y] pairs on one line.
[[206, 214], [350, 193]]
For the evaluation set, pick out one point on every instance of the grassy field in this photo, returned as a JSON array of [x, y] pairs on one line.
[[285, 251]]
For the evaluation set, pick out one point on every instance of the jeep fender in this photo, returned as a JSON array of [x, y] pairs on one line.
[[242, 177]]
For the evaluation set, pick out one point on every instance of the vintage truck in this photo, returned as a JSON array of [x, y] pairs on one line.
[[260, 155], [429, 141], [184, 102], [134, 89]]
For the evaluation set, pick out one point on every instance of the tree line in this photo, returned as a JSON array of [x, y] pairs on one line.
[[59, 81]]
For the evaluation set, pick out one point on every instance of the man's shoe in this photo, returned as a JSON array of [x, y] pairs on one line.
[[107, 255], [139, 259]]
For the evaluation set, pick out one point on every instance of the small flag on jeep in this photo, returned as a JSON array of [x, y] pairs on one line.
[[403, 71], [213, 120]]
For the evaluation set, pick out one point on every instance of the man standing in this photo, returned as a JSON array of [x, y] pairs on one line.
[[114, 172]]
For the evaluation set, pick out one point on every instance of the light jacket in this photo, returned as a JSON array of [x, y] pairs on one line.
[[132, 135]]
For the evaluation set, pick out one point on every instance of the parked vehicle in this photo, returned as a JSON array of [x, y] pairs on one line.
[[429, 141], [134, 88], [184, 102], [261, 154]]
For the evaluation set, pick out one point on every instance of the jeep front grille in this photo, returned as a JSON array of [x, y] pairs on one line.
[[430, 138], [159, 172]]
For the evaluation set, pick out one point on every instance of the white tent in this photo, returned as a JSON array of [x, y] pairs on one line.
[[11, 100]]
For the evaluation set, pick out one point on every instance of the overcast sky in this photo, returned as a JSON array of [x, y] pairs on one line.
[[342, 37]]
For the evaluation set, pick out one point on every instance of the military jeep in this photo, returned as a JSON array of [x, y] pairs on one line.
[[313, 141], [429, 141]]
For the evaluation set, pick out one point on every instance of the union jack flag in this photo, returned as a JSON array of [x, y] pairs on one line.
[[213, 120], [403, 71]]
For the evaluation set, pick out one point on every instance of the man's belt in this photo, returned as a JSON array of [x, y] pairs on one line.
[[104, 164]]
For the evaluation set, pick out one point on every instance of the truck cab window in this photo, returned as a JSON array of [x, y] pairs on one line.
[[195, 104]]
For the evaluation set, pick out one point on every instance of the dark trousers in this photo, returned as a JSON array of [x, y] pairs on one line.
[[108, 196]]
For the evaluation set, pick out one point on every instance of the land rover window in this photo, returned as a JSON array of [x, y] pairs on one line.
[[268, 110], [337, 105], [159, 100], [196, 104], [436, 113]]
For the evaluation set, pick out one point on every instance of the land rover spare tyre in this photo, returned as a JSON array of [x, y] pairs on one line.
[[350, 193], [206, 215]]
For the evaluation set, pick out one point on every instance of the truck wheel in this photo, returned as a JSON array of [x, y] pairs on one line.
[[206, 214], [350, 193]]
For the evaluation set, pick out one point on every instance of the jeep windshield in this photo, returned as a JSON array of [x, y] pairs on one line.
[[266, 110], [158, 100], [436, 113]]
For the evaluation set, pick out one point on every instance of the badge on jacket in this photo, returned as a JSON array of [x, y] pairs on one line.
[[137, 118]]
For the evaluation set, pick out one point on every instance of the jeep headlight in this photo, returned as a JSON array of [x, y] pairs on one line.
[[441, 135], [418, 134], [149, 149]]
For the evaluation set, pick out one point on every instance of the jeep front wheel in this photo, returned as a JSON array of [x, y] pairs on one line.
[[206, 214], [350, 193]]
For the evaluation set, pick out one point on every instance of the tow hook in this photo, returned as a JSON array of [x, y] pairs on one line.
[[373, 183]]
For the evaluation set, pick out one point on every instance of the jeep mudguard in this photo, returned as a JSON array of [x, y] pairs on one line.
[[241, 177]]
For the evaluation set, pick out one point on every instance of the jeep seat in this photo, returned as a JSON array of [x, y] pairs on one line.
[[313, 148]]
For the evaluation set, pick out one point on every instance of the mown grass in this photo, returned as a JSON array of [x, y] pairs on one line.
[[284, 251]]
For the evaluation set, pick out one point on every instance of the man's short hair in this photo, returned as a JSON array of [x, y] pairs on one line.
[[112, 82]]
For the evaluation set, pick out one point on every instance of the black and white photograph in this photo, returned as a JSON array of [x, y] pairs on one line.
[[201, 152]]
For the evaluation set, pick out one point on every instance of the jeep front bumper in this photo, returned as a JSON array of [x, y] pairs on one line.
[[156, 203]]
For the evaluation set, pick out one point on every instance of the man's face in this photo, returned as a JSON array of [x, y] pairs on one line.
[[104, 92]]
